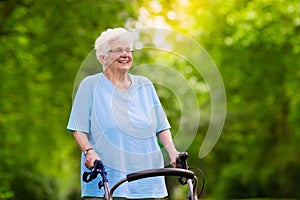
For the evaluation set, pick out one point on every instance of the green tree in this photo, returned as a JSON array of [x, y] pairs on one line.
[[255, 44], [256, 47], [42, 46]]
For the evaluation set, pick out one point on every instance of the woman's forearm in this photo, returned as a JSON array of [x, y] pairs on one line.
[[84, 144], [166, 139], [82, 140]]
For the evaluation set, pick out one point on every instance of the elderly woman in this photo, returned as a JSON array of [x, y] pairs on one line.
[[117, 117]]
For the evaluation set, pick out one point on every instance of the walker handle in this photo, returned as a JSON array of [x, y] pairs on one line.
[[160, 172]]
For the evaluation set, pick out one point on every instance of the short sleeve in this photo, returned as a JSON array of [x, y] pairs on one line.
[[79, 119], [161, 118]]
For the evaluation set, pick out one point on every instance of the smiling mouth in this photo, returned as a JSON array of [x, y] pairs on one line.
[[123, 61]]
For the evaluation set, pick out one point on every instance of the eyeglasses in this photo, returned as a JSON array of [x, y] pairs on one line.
[[120, 51]]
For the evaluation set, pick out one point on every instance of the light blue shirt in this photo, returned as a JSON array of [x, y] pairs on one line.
[[122, 126]]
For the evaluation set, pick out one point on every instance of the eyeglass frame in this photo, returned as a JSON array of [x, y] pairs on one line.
[[120, 51]]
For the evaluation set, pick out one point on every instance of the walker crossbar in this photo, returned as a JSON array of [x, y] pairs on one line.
[[157, 172], [160, 172]]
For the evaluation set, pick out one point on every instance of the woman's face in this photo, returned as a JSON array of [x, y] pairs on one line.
[[119, 57]]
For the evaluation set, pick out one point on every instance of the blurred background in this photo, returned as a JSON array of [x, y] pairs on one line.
[[255, 44]]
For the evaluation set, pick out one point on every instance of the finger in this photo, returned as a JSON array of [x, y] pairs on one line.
[[87, 165], [173, 164]]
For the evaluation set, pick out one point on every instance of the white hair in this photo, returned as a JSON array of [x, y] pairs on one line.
[[102, 42]]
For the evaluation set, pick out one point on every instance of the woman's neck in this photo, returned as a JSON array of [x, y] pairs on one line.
[[121, 80]]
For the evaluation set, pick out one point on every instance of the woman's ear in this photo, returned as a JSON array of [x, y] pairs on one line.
[[103, 60]]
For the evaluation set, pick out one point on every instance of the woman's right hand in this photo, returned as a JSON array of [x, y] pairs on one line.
[[90, 158]]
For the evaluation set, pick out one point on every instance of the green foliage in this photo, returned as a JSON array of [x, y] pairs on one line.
[[255, 44], [256, 47], [42, 46]]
